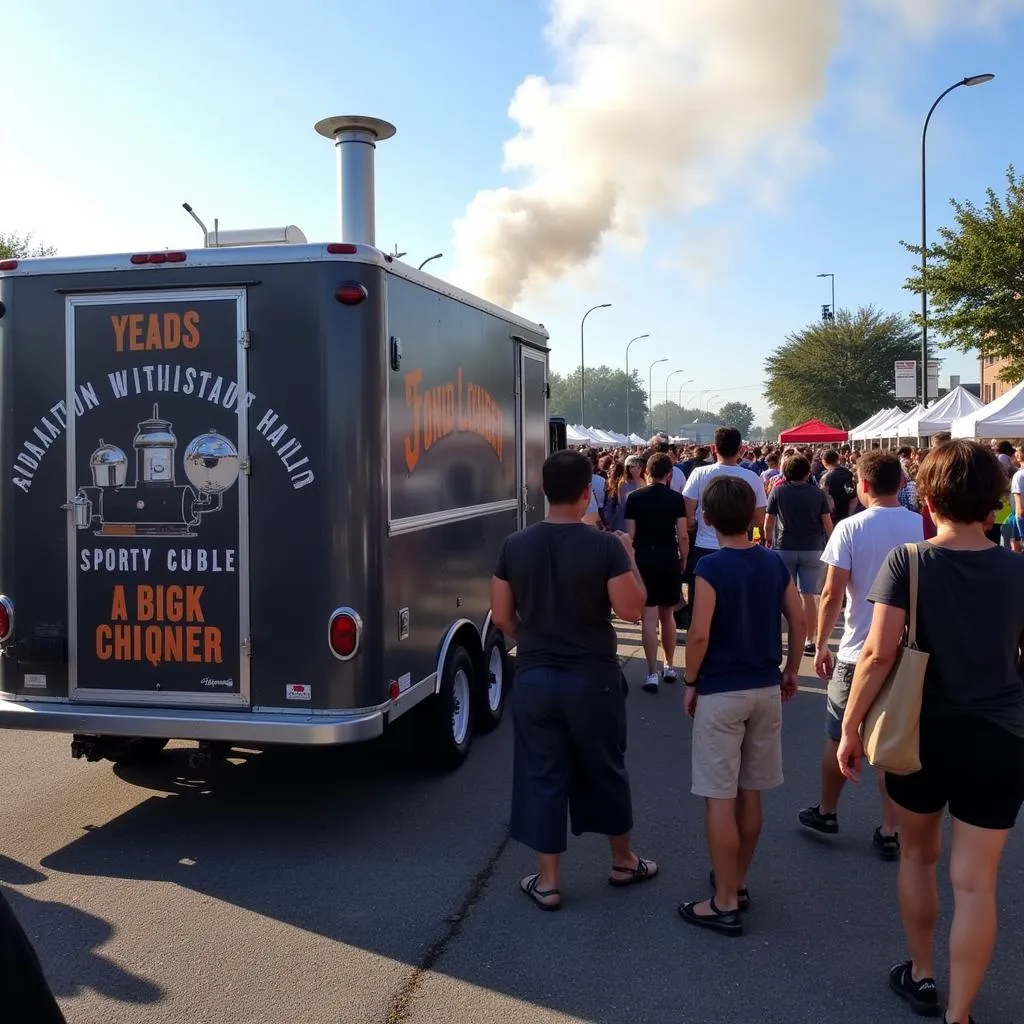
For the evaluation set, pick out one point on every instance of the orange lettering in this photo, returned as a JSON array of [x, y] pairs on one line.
[[144, 603], [211, 645], [118, 605], [193, 634], [172, 330], [119, 323], [193, 608], [104, 635], [414, 401], [191, 324], [153, 340], [135, 333]]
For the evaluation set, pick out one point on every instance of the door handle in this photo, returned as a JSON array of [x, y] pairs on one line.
[[81, 506]]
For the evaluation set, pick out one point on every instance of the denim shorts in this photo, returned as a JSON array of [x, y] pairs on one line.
[[806, 568], [838, 694]]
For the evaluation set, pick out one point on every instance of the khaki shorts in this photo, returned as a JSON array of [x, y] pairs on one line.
[[737, 742]]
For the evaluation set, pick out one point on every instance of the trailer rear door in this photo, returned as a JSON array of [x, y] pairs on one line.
[[157, 498]]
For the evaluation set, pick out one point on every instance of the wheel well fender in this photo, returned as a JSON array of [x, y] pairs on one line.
[[461, 633]]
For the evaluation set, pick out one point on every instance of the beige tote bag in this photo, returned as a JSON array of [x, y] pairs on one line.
[[891, 730]]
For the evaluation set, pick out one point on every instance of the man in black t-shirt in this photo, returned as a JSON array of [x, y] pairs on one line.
[[839, 485], [656, 520]]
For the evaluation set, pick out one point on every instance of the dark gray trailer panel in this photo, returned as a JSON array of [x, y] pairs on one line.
[[328, 519]]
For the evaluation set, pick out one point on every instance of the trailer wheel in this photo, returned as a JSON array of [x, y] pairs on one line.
[[492, 688], [449, 720]]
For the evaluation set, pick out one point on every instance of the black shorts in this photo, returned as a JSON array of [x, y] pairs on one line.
[[972, 765], [662, 577]]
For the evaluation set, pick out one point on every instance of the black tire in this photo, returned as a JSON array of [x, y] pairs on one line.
[[447, 720], [492, 686], [133, 749]]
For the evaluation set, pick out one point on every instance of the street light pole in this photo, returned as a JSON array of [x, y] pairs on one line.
[[833, 306], [583, 414], [679, 401], [667, 379], [436, 256], [650, 387], [970, 81], [630, 342]]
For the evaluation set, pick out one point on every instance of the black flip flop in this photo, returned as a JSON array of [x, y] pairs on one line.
[[725, 922], [743, 894], [529, 887], [641, 873]]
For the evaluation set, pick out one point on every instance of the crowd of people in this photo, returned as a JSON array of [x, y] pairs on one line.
[[712, 549]]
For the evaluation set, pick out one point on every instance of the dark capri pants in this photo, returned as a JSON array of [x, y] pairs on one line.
[[570, 747]]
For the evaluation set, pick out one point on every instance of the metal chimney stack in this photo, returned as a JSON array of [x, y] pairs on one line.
[[355, 138]]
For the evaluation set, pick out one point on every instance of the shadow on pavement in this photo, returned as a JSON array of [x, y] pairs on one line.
[[73, 964]]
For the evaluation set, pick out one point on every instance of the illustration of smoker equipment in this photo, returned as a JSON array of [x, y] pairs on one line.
[[156, 505]]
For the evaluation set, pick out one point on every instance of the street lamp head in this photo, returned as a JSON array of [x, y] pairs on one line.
[[822, 275], [978, 79], [604, 305]]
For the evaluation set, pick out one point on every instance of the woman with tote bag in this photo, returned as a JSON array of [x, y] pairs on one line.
[[970, 622]]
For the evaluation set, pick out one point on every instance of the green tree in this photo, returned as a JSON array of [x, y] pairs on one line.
[[976, 278], [605, 399], [778, 423], [841, 372], [738, 415], [15, 247]]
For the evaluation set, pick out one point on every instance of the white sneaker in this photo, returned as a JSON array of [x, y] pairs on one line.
[[651, 685], [668, 673]]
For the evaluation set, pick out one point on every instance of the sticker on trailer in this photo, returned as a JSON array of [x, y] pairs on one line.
[[299, 691], [404, 682], [35, 682]]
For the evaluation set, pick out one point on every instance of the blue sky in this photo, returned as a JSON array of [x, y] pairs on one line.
[[116, 113]]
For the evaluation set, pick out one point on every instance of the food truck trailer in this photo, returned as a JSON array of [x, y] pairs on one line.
[[253, 494]]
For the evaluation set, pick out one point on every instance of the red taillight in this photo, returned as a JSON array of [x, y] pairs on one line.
[[344, 632], [8, 264], [6, 618], [351, 293], [342, 248], [158, 257]]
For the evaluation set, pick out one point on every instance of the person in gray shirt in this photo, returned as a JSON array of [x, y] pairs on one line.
[[970, 620]]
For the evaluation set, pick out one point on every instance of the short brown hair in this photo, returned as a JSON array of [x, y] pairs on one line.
[[962, 481], [831, 457], [659, 466], [881, 471], [940, 438], [728, 504], [796, 468]]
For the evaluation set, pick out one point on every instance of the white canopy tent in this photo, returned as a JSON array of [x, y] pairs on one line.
[[942, 414], [877, 429], [906, 425], [574, 435], [854, 432], [1003, 418], [636, 439]]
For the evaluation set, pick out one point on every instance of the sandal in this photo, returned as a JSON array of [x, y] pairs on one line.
[[644, 871], [529, 886], [725, 922], [743, 894]]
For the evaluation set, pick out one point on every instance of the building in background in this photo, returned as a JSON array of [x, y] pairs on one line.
[[992, 385]]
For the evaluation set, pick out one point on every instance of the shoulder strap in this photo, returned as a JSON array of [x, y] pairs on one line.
[[915, 561]]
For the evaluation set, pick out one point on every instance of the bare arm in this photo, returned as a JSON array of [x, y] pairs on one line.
[[796, 633], [503, 608], [683, 540], [1018, 505], [759, 518], [836, 582], [700, 628], [691, 512], [769, 530], [627, 594], [826, 525], [876, 659]]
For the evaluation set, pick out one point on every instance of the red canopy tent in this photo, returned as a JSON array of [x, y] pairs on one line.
[[812, 432]]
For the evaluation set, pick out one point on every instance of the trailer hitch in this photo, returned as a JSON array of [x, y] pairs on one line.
[[92, 748], [206, 753]]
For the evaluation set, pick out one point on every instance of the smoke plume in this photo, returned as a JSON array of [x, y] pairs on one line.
[[660, 106], [662, 103]]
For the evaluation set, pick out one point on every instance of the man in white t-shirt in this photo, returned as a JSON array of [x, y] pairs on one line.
[[855, 552], [727, 447], [703, 539]]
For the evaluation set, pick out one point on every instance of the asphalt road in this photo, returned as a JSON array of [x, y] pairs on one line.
[[348, 887]]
